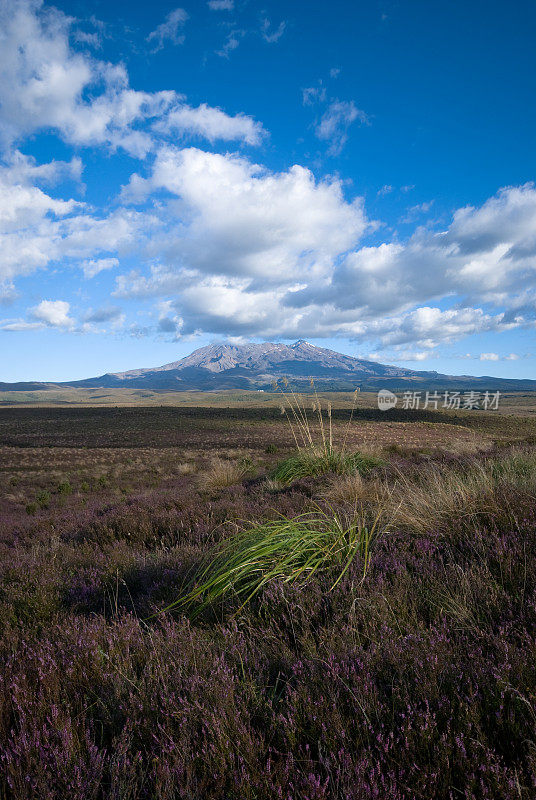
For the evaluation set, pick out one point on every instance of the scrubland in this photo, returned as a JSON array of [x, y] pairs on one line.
[[186, 612]]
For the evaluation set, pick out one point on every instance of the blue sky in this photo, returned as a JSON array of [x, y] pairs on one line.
[[356, 174]]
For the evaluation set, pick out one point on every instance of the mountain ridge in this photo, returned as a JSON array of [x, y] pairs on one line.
[[256, 366]]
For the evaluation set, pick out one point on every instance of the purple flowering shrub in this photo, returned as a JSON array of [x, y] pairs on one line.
[[417, 681]]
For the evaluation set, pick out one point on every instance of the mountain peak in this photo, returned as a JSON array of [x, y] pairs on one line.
[[224, 365]]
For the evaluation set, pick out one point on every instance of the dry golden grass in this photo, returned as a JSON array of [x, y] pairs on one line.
[[273, 485], [223, 473], [354, 490], [186, 468], [440, 495]]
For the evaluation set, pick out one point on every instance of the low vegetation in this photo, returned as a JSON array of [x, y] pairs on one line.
[[341, 635], [223, 473], [310, 464], [435, 497], [293, 550]]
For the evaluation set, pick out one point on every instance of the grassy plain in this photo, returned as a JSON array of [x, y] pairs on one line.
[[411, 675]]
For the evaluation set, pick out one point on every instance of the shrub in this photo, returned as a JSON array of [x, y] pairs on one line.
[[43, 499], [64, 488]]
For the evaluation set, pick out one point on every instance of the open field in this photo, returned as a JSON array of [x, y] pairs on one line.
[[407, 673], [511, 402]]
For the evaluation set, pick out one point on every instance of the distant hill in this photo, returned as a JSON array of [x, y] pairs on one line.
[[257, 366]]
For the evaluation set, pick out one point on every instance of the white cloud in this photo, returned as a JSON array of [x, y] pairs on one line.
[[414, 212], [93, 266], [236, 218], [44, 83], [53, 313], [212, 124], [484, 256], [37, 229], [489, 357], [170, 30], [24, 169], [410, 355], [56, 314], [20, 325], [254, 253], [7, 292], [232, 41], [336, 121], [231, 246], [314, 94]]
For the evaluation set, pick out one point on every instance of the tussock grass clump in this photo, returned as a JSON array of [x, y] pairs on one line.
[[517, 469], [291, 550], [442, 495], [316, 452], [224, 473], [309, 463], [353, 490]]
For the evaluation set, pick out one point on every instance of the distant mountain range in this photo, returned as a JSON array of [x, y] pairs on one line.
[[257, 366]]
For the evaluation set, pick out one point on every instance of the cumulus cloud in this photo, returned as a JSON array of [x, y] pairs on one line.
[[237, 218], [37, 229], [255, 253], [44, 84], [23, 169], [53, 313], [484, 256], [212, 124], [228, 246], [170, 30]]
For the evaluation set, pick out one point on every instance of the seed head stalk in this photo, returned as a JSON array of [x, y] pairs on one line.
[[348, 424], [320, 417]]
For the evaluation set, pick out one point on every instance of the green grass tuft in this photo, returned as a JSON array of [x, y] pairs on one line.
[[307, 464], [291, 550]]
